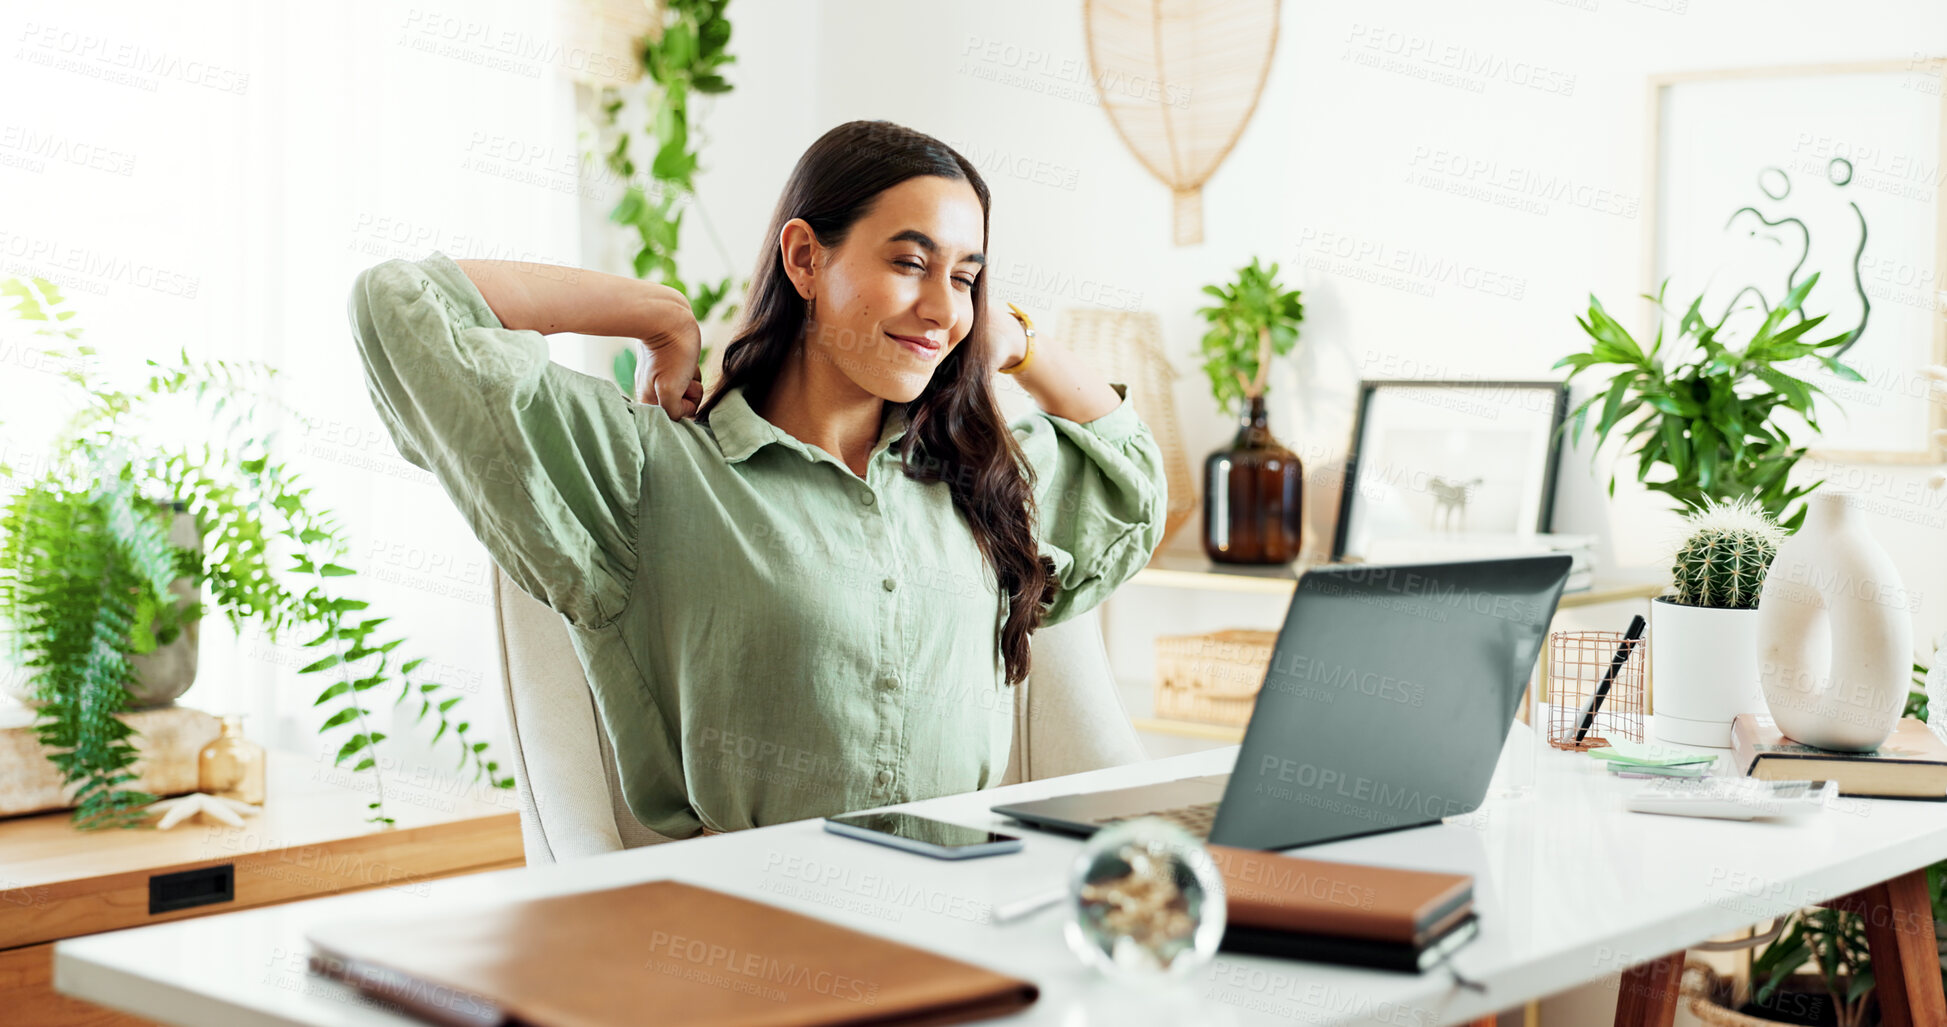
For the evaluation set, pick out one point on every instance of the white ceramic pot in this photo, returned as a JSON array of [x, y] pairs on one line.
[[1704, 665], [1835, 632]]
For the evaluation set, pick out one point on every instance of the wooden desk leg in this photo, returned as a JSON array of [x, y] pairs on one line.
[[1906, 958], [1648, 995]]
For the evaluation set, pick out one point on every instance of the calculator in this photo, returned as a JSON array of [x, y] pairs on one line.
[[1733, 798]]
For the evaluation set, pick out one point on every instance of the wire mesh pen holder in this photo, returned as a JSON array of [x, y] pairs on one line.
[[1578, 663]]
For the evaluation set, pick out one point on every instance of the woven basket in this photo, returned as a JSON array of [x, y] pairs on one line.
[[1699, 990], [1211, 678]]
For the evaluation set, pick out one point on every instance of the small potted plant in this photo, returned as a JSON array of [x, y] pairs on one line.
[[1253, 491], [1705, 651]]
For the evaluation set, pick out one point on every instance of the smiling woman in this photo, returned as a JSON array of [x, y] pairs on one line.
[[810, 592]]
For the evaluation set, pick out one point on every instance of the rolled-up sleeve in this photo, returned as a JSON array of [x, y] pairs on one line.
[[546, 464], [1101, 496]]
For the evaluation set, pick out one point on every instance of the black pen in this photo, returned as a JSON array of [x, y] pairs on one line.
[[1635, 632]]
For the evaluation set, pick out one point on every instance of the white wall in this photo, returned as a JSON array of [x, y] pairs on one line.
[[1352, 113], [213, 176]]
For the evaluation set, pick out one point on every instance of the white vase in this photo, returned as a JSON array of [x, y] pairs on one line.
[[1704, 669], [1835, 632]]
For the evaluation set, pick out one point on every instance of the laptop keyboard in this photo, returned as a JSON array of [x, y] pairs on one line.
[[1195, 819]]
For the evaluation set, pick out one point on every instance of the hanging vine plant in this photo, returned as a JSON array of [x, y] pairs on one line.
[[685, 59], [86, 568]]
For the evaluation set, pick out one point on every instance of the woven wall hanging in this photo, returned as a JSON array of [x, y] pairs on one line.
[[1179, 80]]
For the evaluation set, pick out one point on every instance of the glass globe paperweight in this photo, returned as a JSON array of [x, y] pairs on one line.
[[1146, 902]]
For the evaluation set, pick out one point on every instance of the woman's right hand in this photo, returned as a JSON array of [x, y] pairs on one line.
[[548, 299], [668, 372]]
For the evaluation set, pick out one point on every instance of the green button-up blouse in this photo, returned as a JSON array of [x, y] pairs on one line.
[[767, 636]]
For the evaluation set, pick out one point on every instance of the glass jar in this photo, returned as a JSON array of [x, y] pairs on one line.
[[1253, 496], [232, 766]]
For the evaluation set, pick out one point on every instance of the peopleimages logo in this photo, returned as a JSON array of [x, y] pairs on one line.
[[1289, 670], [1281, 880], [1421, 585], [1363, 790], [768, 969]]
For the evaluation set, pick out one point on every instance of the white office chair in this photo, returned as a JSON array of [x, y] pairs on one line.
[[1067, 719]]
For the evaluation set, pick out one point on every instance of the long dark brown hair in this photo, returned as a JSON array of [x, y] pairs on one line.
[[955, 430]]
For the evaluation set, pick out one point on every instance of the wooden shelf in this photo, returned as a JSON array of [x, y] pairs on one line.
[[1175, 569]]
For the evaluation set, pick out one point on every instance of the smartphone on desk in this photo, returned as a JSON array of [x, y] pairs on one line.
[[917, 834]]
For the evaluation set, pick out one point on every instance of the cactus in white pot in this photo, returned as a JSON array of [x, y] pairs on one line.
[[1703, 637], [1723, 559]]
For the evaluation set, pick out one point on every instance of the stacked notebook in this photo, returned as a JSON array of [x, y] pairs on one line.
[[1341, 912], [1912, 764], [657, 952]]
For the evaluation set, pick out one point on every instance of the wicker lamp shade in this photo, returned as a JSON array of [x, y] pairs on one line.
[[601, 45], [1127, 347], [1179, 80]]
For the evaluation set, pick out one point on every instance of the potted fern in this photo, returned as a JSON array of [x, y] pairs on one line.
[[91, 579], [1253, 491]]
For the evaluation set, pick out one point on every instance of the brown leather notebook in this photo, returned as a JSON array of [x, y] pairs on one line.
[[656, 952], [1308, 896]]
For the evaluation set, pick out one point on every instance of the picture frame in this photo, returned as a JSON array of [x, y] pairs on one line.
[[1442, 461], [1852, 157]]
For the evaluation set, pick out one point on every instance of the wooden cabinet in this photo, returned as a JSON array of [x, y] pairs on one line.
[[311, 839]]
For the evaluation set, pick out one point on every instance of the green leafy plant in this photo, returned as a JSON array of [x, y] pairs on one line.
[[86, 565], [1712, 419], [1726, 550], [1254, 319], [1833, 940], [685, 57]]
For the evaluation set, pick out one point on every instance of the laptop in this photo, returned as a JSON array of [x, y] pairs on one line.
[[1388, 698]]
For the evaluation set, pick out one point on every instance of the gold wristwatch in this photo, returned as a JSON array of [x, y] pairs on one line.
[[1027, 325]]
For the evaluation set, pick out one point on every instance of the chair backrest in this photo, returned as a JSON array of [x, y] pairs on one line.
[[1067, 719]]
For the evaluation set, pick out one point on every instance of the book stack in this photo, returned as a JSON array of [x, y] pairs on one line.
[[1487, 545], [1912, 764], [1342, 912]]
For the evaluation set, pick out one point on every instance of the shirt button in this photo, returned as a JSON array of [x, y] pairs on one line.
[[868, 498], [889, 681], [891, 584], [885, 779]]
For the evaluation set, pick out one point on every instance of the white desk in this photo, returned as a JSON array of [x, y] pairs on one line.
[[1570, 889]]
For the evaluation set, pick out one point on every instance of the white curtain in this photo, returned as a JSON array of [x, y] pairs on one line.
[[212, 176]]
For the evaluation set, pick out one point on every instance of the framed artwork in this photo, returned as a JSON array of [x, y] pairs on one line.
[[1443, 461], [1759, 178]]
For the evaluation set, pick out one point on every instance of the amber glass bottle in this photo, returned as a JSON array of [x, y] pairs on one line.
[[1253, 496], [232, 766]]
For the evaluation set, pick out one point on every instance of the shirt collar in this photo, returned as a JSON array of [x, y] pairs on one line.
[[741, 431]]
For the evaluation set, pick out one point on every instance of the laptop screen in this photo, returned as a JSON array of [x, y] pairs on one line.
[[1389, 696]]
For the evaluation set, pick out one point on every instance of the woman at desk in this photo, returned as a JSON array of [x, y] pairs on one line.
[[812, 590]]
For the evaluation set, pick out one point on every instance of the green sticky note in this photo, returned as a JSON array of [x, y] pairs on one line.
[[1625, 751]]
